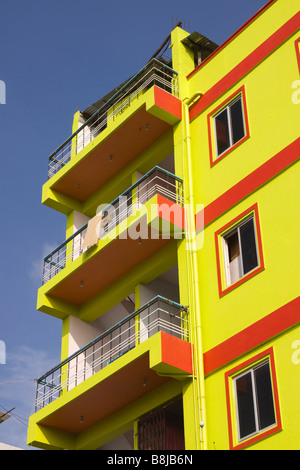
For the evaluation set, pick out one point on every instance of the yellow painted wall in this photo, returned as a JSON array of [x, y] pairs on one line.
[[277, 284], [287, 366], [273, 121], [243, 44]]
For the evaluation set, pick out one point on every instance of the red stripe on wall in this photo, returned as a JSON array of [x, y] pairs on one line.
[[256, 334], [233, 36], [249, 184], [246, 65]]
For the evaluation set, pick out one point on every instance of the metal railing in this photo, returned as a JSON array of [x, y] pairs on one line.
[[160, 314], [156, 181], [154, 73]]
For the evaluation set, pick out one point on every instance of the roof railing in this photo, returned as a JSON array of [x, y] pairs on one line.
[[154, 73]]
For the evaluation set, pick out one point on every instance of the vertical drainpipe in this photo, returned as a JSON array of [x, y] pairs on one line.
[[195, 279]]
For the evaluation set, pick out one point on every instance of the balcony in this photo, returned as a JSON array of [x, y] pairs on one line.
[[142, 352], [157, 181], [160, 314], [100, 148], [136, 225]]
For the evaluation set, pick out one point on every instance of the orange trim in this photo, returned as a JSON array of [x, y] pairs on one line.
[[232, 37], [261, 435], [297, 45], [268, 170], [176, 216], [253, 336], [246, 65], [176, 352], [211, 132], [167, 102], [255, 271]]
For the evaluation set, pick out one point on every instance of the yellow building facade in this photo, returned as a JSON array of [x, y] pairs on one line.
[[178, 284]]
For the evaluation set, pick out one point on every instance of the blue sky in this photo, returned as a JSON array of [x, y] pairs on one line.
[[57, 57]]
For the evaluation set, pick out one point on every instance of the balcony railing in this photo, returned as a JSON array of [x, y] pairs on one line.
[[157, 181], [154, 73], [159, 314]]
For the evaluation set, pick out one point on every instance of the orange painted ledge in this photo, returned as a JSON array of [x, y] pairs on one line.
[[171, 211], [176, 357], [166, 107]]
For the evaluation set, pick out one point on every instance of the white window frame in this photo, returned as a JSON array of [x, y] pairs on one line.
[[225, 236], [227, 108], [251, 371]]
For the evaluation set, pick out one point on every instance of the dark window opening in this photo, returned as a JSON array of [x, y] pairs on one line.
[[255, 403], [229, 126], [242, 251], [248, 245]]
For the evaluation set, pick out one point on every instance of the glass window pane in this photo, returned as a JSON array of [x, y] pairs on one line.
[[222, 132], [235, 270], [237, 121], [233, 246], [248, 242], [245, 404], [265, 403]]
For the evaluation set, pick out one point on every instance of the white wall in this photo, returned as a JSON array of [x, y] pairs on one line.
[[80, 334], [79, 221]]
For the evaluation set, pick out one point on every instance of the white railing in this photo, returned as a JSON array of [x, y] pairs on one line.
[[157, 181], [155, 73], [159, 314]]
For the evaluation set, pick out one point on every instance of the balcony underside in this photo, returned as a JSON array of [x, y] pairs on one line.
[[107, 266], [112, 261], [118, 145], [107, 397], [124, 145], [125, 381]]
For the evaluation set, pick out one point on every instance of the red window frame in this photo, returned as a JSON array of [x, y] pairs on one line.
[[267, 354], [211, 131], [220, 258]]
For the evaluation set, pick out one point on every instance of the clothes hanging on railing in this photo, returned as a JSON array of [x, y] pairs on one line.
[[92, 233]]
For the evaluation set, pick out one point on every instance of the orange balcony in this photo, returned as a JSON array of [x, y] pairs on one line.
[[137, 225], [141, 112], [141, 353]]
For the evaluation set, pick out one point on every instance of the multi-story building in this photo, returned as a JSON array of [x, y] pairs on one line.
[[178, 282]]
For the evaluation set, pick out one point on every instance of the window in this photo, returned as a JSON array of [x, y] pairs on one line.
[[297, 45], [254, 401], [239, 250], [229, 126]]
